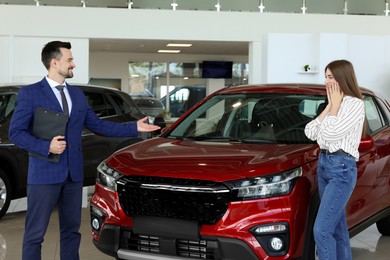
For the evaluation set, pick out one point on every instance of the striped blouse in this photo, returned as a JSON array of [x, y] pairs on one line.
[[342, 131]]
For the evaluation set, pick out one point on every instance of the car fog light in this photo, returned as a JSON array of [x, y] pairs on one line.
[[276, 244], [95, 224], [273, 237]]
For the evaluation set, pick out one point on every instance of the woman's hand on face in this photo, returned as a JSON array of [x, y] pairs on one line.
[[335, 96]]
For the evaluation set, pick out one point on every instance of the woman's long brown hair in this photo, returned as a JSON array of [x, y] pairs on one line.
[[344, 74]]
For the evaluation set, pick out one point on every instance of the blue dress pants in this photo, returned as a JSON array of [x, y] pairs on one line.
[[336, 180], [41, 200]]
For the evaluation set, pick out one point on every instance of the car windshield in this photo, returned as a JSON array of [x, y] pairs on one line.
[[252, 118]]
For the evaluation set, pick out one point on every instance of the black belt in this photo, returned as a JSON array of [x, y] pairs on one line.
[[338, 152]]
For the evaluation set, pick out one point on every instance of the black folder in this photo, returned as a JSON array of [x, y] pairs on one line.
[[48, 124]]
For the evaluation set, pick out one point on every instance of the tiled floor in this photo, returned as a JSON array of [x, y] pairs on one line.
[[367, 245]]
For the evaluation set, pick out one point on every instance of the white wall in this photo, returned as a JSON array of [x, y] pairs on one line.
[[362, 39], [5, 60], [287, 53], [25, 64], [286, 56]]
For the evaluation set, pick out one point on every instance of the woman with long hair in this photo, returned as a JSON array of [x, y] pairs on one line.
[[337, 130]]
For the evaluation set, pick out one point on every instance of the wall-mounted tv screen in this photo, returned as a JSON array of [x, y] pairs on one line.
[[217, 69]]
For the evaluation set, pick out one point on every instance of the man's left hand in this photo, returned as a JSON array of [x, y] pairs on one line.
[[144, 127]]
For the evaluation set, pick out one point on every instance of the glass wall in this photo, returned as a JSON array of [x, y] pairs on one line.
[[183, 81]]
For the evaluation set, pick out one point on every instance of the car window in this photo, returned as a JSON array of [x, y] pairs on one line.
[[272, 118], [7, 105], [374, 118], [100, 104], [121, 104]]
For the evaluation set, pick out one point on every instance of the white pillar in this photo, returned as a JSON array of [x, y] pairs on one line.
[[255, 63], [214, 85]]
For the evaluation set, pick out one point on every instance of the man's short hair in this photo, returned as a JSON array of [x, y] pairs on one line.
[[52, 51]]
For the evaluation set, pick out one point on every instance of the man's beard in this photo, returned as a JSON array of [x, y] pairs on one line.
[[68, 74]]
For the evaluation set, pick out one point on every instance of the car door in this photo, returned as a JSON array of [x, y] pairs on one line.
[[96, 148], [371, 192]]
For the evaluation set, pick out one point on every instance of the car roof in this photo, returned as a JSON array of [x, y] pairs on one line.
[[144, 97], [94, 86], [294, 88]]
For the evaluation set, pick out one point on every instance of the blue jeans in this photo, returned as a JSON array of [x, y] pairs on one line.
[[336, 180]]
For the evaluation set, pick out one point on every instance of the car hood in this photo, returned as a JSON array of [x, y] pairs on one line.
[[214, 161]]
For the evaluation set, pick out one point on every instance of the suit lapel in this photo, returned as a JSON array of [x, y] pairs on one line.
[[48, 92]]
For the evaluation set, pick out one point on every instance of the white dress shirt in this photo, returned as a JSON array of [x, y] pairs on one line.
[[343, 131], [53, 85]]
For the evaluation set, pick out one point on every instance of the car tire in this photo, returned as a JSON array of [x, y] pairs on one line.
[[5, 193], [383, 226]]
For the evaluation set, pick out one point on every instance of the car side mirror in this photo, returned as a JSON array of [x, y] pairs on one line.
[[366, 143]]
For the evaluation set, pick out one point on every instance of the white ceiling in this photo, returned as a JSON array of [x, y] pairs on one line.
[[152, 46]]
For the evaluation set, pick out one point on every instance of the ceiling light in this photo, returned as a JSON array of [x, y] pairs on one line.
[[168, 51], [185, 45]]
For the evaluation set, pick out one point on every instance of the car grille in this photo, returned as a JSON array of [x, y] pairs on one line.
[[202, 249], [202, 201]]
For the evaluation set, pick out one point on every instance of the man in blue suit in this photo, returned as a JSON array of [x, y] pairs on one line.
[[51, 183]]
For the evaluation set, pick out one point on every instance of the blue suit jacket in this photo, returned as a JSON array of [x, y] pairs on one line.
[[40, 94]]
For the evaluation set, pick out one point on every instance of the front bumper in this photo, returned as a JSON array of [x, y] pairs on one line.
[[158, 248], [232, 237]]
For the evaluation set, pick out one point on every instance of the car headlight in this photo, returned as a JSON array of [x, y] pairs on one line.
[[265, 186], [107, 176]]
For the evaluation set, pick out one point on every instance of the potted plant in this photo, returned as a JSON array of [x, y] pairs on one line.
[[167, 115]]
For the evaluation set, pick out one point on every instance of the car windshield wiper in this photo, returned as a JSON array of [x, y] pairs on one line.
[[228, 139], [258, 141]]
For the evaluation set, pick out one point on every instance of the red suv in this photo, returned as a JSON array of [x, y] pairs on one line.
[[235, 178]]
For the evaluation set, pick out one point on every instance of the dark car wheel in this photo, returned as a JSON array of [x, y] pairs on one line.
[[5, 193], [383, 226]]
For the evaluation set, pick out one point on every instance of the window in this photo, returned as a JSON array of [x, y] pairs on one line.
[[374, 118], [153, 79], [121, 104], [7, 105], [264, 118], [100, 104]]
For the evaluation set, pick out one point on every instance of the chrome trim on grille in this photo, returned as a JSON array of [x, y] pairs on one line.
[[183, 188]]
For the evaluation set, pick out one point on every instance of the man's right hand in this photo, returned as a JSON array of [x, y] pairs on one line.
[[57, 144]]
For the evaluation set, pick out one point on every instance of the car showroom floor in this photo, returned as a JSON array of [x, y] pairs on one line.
[[367, 245]]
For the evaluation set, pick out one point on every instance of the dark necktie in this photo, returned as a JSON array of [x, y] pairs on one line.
[[65, 107]]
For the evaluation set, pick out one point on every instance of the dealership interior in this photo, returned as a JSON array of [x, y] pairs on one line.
[[149, 46]]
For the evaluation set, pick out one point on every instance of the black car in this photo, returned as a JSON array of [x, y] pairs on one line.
[[150, 106], [108, 103]]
